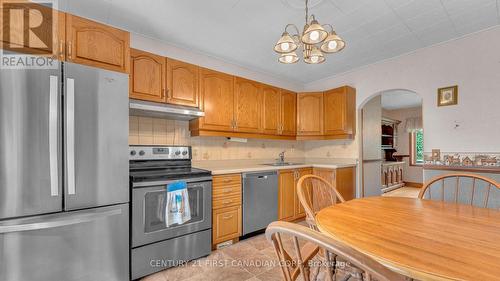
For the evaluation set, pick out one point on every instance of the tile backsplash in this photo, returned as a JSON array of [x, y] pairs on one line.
[[149, 131]]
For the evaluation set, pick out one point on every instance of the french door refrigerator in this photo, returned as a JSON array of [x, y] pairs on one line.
[[64, 188]]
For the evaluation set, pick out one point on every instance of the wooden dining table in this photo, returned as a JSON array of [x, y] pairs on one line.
[[422, 239]]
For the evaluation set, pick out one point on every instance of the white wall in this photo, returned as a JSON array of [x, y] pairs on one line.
[[168, 50], [410, 173], [472, 63]]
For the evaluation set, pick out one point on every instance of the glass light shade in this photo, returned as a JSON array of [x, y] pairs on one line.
[[286, 44], [314, 33], [314, 56], [288, 58], [333, 43]]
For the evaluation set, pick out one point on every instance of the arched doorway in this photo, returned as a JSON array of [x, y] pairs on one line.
[[391, 146]]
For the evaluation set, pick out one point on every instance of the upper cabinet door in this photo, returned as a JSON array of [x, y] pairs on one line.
[[340, 111], [217, 100], [272, 110], [147, 76], [288, 113], [182, 83], [97, 45], [310, 114], [47, 39], [247, 106]]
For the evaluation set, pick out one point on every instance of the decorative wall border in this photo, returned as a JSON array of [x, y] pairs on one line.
[[486, 161]]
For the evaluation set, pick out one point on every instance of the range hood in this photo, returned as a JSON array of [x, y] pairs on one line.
[[161, 110]]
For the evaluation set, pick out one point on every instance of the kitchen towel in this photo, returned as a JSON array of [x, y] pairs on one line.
[[177, 210]]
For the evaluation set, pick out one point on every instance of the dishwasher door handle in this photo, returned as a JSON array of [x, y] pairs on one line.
[[262, 177]]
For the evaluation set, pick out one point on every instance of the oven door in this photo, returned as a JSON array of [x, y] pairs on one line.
[[148, 214]]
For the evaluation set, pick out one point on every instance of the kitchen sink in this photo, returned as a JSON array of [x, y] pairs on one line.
[[283, 164]]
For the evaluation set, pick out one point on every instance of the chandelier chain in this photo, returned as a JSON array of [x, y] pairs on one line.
[[307, 10]]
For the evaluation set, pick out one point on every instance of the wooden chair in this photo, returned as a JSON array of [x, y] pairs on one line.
[[315, 193], [474, 190], [293, 264]]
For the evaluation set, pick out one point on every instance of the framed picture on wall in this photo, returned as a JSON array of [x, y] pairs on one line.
[[447, 96]]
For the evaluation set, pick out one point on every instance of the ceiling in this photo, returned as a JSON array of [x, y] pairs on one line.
[[244, 32], [399, 99]]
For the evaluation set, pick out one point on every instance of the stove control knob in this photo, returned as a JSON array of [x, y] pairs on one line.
[[133, 152], [178, 152], [141, 153], [184, 152]]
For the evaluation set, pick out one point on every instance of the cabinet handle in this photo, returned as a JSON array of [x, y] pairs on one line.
[[227, 202], [227, 190], [70, 50], [61, 49], [227, 180], [227, 217]]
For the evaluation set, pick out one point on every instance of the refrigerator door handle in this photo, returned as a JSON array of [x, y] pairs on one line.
[[70, 135], [53, 136], [61, 220]]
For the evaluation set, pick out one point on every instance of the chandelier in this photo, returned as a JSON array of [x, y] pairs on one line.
[[314, 40]]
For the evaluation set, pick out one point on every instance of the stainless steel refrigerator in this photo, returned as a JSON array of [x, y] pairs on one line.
[[64, 188]]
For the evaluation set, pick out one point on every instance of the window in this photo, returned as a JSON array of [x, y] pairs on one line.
[[417, 147]]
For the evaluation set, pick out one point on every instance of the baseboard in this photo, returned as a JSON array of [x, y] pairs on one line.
[[413, 184]]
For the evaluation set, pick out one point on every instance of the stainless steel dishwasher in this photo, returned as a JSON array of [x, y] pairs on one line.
[[260, 200]]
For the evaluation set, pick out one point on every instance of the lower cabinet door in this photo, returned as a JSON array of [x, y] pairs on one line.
[[299, 209], [286, 195], [226, 224]]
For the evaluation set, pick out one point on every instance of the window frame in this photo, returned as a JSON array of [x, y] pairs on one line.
[[413, 142]]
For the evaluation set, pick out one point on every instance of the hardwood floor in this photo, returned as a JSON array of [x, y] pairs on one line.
[[411, 192]]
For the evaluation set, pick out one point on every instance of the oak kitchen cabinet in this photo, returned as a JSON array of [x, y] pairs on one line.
[[247, 106], [288, 113], [226, 205], [271, 119], [182, 80], [327, 115], [299, 210], [74, 39], [343, 179], [217, 101], [310, 114], [286, 194], [279, 114], [96, 44], [289, 207], [47, 40], [235, 106], [340, 112], [147, 76]]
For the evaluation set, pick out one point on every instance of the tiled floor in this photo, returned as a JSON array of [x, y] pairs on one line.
[[411, 192], [251, 259]]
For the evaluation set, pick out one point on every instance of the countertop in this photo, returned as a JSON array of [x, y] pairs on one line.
[[387, 163], [219, 167]]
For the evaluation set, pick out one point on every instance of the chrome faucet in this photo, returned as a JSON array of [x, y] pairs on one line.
[[282, 157]]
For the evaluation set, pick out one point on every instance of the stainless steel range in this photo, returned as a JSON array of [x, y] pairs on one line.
[[154, 245]]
